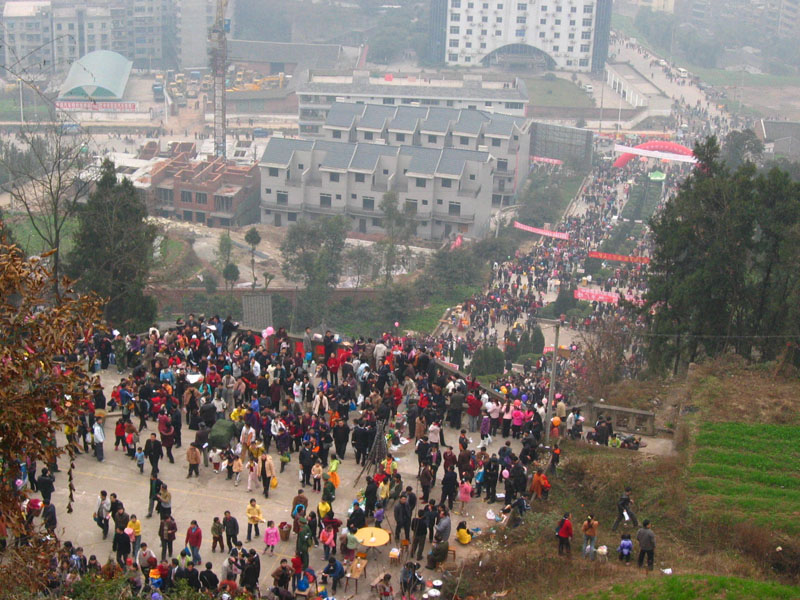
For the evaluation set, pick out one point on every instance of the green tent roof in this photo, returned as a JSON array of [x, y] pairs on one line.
[[98, 75]]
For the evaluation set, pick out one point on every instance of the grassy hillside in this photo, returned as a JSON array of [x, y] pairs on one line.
[[696, 587]]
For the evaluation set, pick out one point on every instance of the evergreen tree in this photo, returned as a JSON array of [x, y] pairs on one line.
[[113, 251]]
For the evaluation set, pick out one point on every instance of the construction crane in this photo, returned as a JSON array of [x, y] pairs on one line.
[[219, 65]]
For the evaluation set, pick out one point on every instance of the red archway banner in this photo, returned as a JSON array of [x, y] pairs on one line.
[[654, 149]]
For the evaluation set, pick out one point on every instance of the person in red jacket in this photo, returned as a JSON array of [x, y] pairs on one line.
[[333, 369], [194, 538], [474, 406], [564, 533]]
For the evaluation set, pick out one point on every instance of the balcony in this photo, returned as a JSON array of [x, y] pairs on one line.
[[445, 215], [280, 206], [319, 210], [468, 193]]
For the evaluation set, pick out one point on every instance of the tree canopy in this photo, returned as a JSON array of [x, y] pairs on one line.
[[113, 250], [723, 273], [312, 251]]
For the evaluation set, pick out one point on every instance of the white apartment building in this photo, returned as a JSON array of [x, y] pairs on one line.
[[317, 92], [27, 33], [564, 34], [447, 190], [193, 21], [506, 138], [51, 34]]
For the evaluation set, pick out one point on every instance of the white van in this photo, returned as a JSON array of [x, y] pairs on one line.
[[588, 88], [682, 72]]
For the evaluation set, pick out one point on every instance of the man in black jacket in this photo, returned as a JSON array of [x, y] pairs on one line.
[[192, 576], [449, 486], [209, 582], [307, 459], [402, 517], [341, 435], [231, 526], [360, 442], [153, 451], [357, 517], [46, 484]]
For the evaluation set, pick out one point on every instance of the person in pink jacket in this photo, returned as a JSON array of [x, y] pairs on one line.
[[517, 419], [464, 495], [271, 538]]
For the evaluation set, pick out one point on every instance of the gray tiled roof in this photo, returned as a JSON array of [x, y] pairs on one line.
[[431, 92], [335, 155], [375, 117], [432, 119], [452, 161], [366, 156], [342, 114], [439, 119], [279, 150], [423, 160]]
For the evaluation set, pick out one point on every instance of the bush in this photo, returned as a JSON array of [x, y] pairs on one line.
[[487, 360], [537, 341]]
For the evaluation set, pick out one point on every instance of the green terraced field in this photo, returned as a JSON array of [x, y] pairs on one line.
[[748, 472]]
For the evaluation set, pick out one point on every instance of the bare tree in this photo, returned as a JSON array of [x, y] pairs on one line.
[[48, 182], [604, 356]]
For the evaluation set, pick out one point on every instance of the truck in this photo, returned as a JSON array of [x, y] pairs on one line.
[[158, 92], [180, 99]]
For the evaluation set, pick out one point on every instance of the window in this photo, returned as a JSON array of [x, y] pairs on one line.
[[453, 57], [334, 177], [338, 196], [571, 36], [337, 134], [447, 183], [572, 22], [556, 35], [386, 171], [463, 140], [454, 29], [454, 209], [439, 201], [488, 103], [499, 7], [521, 20], [541, 34], [424, 203], [573, 9], [455, 17], [483, 44], [515, 106], [376, 222], [555, 48], [570, 48], [584, 47], [468, 44], [484, 19], [368, 203], [497, 199], [420, 183], [282, 198], [400, 137], [325, 200], [388, 100], [502, 165], [411, 206], [291, 217], [499, 19], [587, 22], [268, 191], [544, 9], [368, 136], [558, 21], [587, 10], [542, 21], [454, 43], [455, 3], [164, 195], [496, 141], [431, 139], [186, 197], [469, 18], [273, 172], [472, 177], [586, 35], [201, 198], [300, 166], [201, 217], [469, 31], [522, 7], [584, 62], [498, 33], [559, 9], [520, 33], [483, 32], [353, 196], [359, 178]]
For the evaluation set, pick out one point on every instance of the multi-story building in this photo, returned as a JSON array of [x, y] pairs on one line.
[[782, 17], [27, 33], [505, 137], [210, 192], [565, 34], [193, 21], [318, 91], [447, 190], [52, 34]]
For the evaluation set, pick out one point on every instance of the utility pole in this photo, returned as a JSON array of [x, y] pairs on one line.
[[21, 109], [549, 411]]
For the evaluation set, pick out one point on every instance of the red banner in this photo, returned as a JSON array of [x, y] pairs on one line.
[[91, 105], [642, 260], [546, 232], [546, 160], [596, 295]]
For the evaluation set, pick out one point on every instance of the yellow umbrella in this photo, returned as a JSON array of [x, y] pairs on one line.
[[372, 537]]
